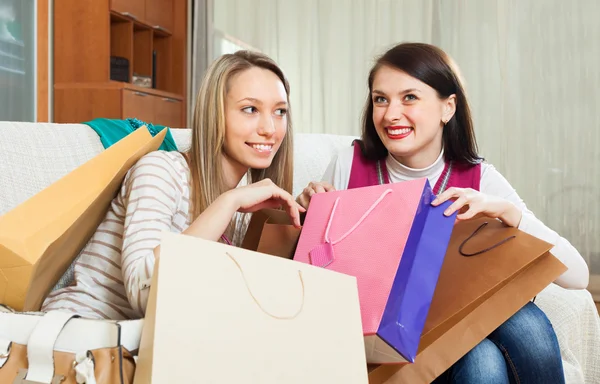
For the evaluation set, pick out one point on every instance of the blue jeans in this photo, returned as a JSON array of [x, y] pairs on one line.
[[522, 350]]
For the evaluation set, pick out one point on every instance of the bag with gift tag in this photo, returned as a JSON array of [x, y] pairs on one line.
[[393, 241]]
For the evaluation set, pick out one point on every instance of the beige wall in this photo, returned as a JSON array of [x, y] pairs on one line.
[[531, 69]]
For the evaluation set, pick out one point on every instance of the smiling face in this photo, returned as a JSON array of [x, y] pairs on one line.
[[409, 116], [255, 119]]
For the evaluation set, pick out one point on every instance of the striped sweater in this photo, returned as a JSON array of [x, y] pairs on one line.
[[113, 271]]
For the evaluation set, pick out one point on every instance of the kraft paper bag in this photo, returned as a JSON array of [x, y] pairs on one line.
[[475, 294], [221, 314], [394, 241], [271, 231], [42, 236]]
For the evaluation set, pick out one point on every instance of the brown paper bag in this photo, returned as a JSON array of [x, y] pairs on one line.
[[42, 236], [247, 318], [270, 231], [475, 295]]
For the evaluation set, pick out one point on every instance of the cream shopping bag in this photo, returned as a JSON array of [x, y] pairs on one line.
[[221, 314]]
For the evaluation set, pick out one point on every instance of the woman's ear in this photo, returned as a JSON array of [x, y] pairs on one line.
[[449, 108]]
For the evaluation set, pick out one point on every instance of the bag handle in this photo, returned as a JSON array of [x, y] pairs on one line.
[[364, 216], [460, 248], [289, 317], [40, 349], [5, 346]]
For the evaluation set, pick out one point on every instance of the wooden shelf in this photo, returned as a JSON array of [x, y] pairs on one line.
[[121, 41], [142, 50], [157, 28], [89, 32], [163, 49], [130, 9], [119, 85], [117, 16], [152, 91], [161, 32], [159, 14]]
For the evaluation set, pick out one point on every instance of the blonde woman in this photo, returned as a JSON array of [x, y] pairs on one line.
[[241, 126]]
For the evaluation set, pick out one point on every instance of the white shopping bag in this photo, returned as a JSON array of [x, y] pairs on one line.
[[221, 314]]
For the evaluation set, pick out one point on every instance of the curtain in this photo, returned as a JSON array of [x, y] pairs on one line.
[[531, 71]]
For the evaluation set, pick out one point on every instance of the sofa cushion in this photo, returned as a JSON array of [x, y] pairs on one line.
[[312, 154], [34, 155]]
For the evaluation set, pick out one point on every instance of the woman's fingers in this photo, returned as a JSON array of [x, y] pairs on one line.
[[311, 189], [292, 207], [319, 188], [303, 200], [456, 206], [328, 187], [447, 195], [470, 213]]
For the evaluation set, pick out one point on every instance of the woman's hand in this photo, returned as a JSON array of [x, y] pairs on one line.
[[313, 187], [471, 204], [265, 194]]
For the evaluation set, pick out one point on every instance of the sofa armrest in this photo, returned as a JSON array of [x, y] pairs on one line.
[[575, 319]]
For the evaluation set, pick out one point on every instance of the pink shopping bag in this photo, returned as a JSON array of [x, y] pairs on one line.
[[393, 241]]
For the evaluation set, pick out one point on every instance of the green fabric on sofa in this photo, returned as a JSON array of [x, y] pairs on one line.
[[113, 130]]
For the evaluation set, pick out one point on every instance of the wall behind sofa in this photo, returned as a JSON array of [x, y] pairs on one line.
[[531, 70]]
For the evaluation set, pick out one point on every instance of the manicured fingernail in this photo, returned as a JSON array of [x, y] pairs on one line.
[[447, 212]]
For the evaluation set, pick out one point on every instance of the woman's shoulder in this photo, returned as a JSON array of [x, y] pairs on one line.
[[484, 167], [170, 166], [164, 157], [172, 161], [487, 168]]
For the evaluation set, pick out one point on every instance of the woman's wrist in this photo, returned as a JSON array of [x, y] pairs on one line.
[[211, 223], [511, 215], [227, 202]]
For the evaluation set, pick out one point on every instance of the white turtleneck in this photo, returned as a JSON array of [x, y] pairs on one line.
[[492, 183]]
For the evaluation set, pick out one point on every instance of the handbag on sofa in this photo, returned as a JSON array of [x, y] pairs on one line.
[[58, 347]]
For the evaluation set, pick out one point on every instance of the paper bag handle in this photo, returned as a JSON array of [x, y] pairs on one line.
[[460, 248], [364, 216], [289, 317]]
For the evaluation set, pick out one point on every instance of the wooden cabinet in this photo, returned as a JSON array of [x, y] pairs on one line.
[[149, 35], [156, 13], [159, 14], [135, 9], [168, 111], [161, 110], [138, 104], [85, 102]]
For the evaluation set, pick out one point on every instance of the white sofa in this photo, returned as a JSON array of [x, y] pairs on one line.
[[33, 155]]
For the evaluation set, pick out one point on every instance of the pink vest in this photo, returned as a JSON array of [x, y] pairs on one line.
[[366, 173]]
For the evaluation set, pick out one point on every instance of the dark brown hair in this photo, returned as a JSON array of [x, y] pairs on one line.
[[433, 67]]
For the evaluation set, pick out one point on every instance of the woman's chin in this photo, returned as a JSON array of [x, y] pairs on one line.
[[399, 150], [259, 163]]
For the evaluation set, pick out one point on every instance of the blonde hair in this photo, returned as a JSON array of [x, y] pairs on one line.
[[208, 132]]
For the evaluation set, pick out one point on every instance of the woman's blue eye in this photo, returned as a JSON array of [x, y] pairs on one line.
[[379, 99], [281, 112], [410, 97]]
